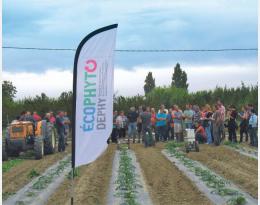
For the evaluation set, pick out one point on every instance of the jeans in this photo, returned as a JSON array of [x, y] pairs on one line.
[[144, 137], [61, 142], [242, 131], [114, 135], [253, 136], [208, 133], [132, 130], [188, 125], [232, 135], [122, 133], [161, 133]]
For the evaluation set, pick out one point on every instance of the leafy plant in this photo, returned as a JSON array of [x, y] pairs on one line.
[[126, 180], [44, 181], [33, 173], [76, 173], [9, 164], [211, 180], [240, 200]]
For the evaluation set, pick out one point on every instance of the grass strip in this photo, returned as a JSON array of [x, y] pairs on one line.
[[10, 164]]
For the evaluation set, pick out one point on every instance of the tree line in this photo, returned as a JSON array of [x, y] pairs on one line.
[[176, 93]]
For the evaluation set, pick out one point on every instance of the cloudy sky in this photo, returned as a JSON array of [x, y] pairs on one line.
[[185, 24]]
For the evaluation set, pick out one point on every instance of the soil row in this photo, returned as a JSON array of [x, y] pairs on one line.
[[92, 184]]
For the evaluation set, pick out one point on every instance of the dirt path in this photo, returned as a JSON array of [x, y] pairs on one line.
[[92, 184], [17, 177], [167, 185], [235, 167]]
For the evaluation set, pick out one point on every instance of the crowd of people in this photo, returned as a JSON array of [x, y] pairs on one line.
[[61, 122], [209, 123]]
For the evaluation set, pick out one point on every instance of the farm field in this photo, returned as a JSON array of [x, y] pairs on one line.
[[91, 185], [242, 170], [164, 182], [19, 175]]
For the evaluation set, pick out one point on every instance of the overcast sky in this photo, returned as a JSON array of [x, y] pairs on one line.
[[185, 24]]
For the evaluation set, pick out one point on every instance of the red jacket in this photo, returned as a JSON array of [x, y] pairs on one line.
[[37, 117]]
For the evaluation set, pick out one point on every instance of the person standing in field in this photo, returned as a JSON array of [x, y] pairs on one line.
[[52, 118], [169, 134], [217, 125], [243, 124], [67, 127], [139, 123], [47, 117], [60, 125], [114, 133], [196, 114], [207, 123], [161, 124], [188, 116], [146, 125], [252, 128], [36, 117], [232, 125], [178, 123], [222, 110], [132, 122], [153, 119], [121, 122]]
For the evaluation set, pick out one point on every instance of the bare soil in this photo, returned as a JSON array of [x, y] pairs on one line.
[[166, 184], [92, 184], [239, 169], [17, 176]]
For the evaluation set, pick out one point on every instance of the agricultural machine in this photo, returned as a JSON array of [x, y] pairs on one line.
[[190, 142], [25, 135]]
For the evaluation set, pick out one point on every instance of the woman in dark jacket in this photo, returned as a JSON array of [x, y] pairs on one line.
[[232, 125]]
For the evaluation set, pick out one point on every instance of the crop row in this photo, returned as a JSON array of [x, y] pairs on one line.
[[212, 181]]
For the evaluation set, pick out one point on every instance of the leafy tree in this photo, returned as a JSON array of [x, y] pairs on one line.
[[8, 90], [179, 78], [149, 83], [8, 94]]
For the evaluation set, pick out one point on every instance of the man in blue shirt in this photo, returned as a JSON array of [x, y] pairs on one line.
[[253, 128], [161, 127]]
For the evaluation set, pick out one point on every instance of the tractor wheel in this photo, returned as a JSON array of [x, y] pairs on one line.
[[4, 152], [38, 147], [10, 148], [197, 149], [49, 139]]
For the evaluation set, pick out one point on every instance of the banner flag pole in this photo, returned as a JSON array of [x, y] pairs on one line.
[[93, 88]]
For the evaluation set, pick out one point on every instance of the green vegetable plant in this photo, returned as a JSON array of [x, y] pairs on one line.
[[211, 180], [126, 182], [33, 173]]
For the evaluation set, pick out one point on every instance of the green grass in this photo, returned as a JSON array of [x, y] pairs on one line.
[[232, 144], [6, 166]]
